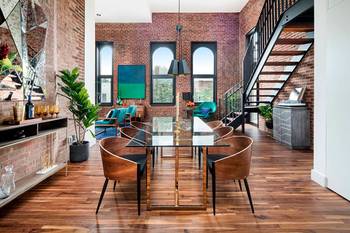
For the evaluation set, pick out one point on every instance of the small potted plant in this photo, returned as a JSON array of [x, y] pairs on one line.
[[83, 111], [266, 112]]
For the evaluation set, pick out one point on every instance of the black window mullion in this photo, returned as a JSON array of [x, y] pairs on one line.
[[154, 46], [213, 47], [99, 77]]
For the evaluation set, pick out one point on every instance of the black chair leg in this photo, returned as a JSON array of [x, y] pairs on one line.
[[213, 188], [249, 196], [102, 194], [153, 159], [115, 183], [240, 185], [138, 190]]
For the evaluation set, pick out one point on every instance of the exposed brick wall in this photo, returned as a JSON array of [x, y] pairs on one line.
[[64, 48], [132, 46]]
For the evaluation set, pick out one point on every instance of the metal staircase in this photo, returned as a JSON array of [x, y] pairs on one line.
[[276, 46]]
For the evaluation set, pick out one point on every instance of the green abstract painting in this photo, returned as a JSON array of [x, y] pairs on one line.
[[131, 81]]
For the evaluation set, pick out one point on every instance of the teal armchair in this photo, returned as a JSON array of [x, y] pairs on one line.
[[205, 110], [115, 118]]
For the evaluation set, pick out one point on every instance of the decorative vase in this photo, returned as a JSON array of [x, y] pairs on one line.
[[79, 152], [269, 124], [17, 112], [7, 182]]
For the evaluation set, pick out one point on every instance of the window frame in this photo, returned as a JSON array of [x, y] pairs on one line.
[[212, 45], [154, 45], [98, 77]]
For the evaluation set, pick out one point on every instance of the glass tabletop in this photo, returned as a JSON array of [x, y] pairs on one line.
[[166, 132]]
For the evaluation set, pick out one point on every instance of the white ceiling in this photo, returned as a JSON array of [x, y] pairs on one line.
[[138, 11]]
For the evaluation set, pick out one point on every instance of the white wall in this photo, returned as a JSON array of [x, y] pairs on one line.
[[332, 108], [90, 55]]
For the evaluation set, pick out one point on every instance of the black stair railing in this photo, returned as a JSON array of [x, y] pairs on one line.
[[232, 101], [264, 29]]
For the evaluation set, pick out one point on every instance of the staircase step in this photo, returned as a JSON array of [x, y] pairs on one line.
[[258, 102], [262, 95], [267, 89], [251, 108], [287, 53], [281, 63], [271, 81], [275, 73], [299, 27], [294, 41]]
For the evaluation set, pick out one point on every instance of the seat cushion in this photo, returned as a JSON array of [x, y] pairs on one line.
[[214, 157], [139, 159]]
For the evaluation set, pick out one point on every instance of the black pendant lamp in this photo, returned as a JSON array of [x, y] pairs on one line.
[[179, 66]]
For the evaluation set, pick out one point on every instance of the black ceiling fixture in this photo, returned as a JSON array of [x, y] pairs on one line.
[[179, 66]]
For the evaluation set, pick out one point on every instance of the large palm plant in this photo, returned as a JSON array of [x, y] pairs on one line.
[[84, 112]]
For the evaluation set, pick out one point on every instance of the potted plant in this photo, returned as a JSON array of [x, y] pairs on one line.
[[266, 112], [83, 111]]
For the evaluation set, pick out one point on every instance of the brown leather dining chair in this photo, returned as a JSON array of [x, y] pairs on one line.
[[223, 132], [231, 163], [130, 133], [220, 133], [215, 124], [147, 127], [122, 163]]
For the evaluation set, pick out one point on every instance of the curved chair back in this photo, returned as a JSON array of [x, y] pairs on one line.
[[142, 126], [130, 133], [236, 165], [114, 154], [223, 132], [215, 124]]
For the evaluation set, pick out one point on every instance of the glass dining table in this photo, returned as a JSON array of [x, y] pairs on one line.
[[169, 133]]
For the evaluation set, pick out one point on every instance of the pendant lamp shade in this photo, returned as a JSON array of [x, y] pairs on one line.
[[179, 67]]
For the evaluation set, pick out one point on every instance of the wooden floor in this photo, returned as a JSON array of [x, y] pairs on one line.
[[285, 200]]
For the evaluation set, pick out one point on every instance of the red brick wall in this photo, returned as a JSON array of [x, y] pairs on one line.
[[132, 46], [64, 48]]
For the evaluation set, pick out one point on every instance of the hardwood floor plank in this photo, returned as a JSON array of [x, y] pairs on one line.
[[285, 199]]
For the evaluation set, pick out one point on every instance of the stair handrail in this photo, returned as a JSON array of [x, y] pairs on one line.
[[268, 20]]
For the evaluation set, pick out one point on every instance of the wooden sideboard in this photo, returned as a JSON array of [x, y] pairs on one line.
[[291, 126], [15, 135]]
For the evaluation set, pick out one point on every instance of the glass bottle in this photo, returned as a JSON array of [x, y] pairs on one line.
[[29, 108], [8, 180]]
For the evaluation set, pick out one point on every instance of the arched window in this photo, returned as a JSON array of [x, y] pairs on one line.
[[104, 73], [163, 85], [204, 72]]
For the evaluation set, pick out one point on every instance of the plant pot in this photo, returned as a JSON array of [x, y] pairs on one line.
[[269, 124], [79, 152]]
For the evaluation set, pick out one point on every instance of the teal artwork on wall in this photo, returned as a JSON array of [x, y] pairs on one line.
[[131, 81]]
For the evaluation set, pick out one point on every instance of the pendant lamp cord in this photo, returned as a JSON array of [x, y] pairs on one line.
[[178, 29]]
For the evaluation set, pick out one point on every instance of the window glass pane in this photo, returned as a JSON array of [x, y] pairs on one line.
[[162, 58], [106, 95], [163, 90], [106, 59], [203, 89], [203, 61]]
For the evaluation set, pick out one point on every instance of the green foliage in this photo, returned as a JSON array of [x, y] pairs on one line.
[[266, 112], [7, 64], [84, 112]]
